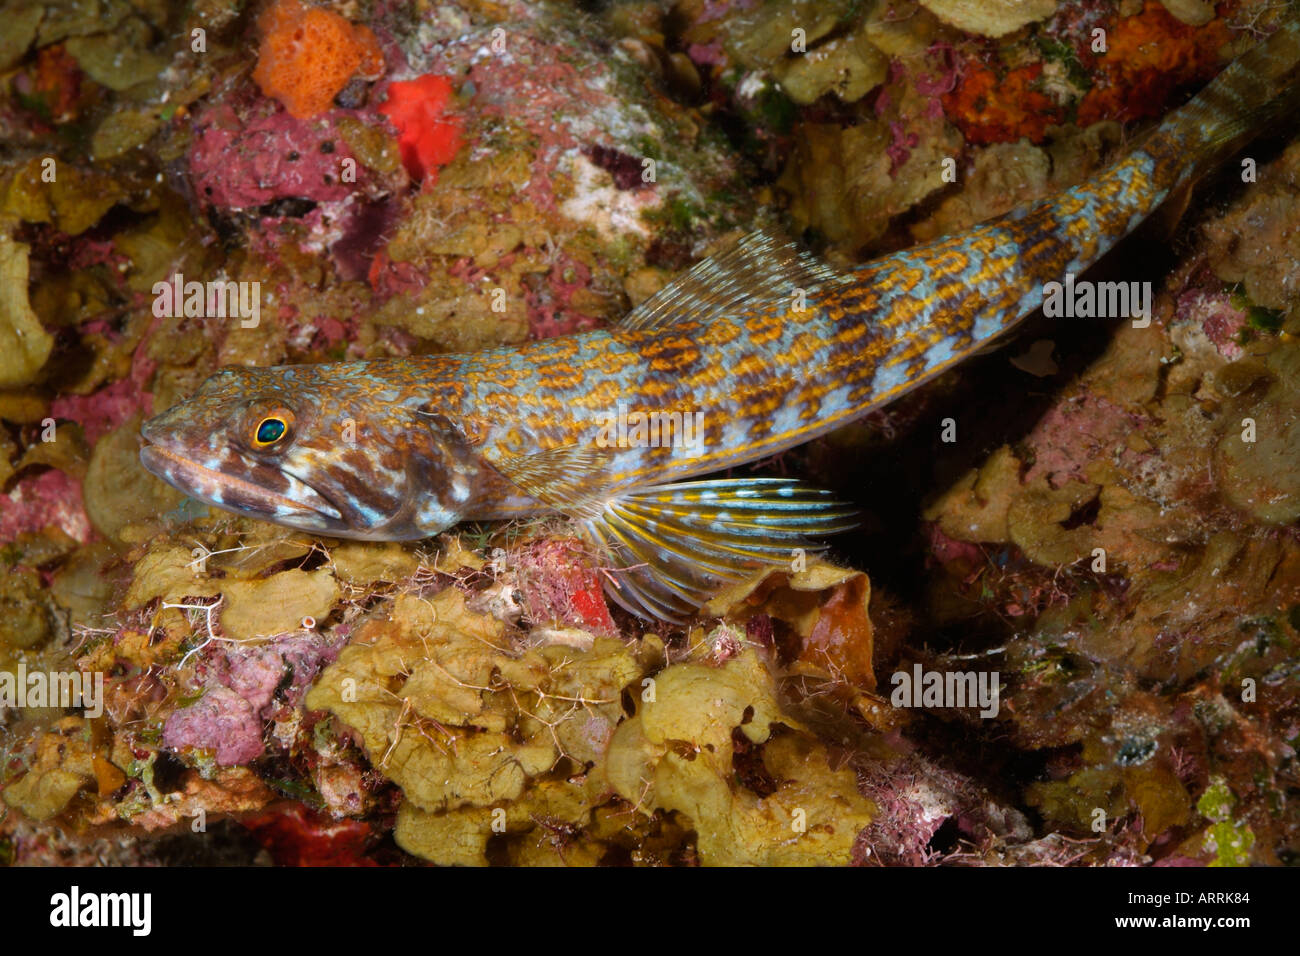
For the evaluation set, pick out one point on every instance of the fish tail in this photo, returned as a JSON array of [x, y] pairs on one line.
[[1258, 87]]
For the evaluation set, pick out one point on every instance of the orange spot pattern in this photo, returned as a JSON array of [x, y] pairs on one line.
[[308, 54]]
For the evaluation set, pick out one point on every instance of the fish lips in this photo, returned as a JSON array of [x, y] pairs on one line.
[[293, 503]]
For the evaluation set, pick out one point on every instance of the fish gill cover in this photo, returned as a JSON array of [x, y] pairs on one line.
[[1090, 533]]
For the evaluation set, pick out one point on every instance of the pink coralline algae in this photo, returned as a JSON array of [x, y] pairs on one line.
[[1075, 432], [220, 721], [1216, 314], [238, 164], [103, 410], [717, 9], [40, 501], [239, 696], [707, 54], [929, 88], [900, 146], [256, 672], [935, 86], [534, 89], [914, 798], [946, 550], [388, 278], [560, 588], [549, 310]]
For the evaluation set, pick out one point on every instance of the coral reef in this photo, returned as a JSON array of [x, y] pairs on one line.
[[1112, 536]]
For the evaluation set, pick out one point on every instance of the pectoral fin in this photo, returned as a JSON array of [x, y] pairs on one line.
[[669, 547], [567, 477], [672, 546]]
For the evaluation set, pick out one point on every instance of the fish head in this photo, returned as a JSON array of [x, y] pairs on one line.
[[328, 449]]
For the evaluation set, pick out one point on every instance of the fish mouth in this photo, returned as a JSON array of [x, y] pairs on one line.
[[298, 505]]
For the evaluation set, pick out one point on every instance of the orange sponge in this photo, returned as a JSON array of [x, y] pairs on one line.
[[308, 54]]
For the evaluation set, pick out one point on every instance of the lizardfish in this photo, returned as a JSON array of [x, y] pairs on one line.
[[751, 352]]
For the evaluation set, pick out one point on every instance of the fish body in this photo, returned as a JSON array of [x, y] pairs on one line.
[[753, 351]]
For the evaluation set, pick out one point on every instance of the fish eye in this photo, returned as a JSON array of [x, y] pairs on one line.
[[271, 428]]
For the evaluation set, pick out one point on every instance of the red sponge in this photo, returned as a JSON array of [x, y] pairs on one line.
[[428, 138]]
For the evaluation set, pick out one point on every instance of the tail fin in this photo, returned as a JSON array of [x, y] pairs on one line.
[[1256, 88]]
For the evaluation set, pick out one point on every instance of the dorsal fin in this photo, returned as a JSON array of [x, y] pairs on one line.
[[760, 270]]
